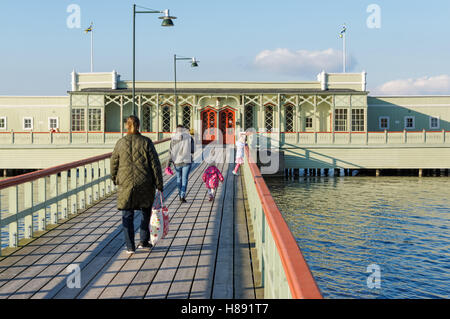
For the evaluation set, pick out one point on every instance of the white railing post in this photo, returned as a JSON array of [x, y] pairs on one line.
[[424, 137], [109, 184], [73, 186], [443, 135], [385, 136], [81, 185], [13, 209], [53, 195], [404, 136], [96, 189], [90, 189], [64, 203], [42, 197], [102, 187], [28, 203]]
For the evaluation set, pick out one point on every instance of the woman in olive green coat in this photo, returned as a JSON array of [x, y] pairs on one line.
[[136, 169]]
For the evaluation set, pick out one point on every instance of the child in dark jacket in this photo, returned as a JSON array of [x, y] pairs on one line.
[[211, 177]]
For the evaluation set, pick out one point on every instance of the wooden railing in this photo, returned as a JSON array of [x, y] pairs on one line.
[[285, 273], [31, 202]]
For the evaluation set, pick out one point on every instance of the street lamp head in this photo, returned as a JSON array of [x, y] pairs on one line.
[[167, 19], [194, 63]]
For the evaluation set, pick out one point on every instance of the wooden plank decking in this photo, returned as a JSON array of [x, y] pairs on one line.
[[207, 254]]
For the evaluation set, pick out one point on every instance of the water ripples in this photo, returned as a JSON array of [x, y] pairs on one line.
[[343, 225]]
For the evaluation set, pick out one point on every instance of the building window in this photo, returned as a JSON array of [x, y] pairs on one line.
[[289, 118], [95, 120], [308, 122], [409, 122], [434, 122], [27, 123], [249, 116], [166, 118], [358, 120], [268, 117], [146, 118], [3, 123], [383, 123], [78, 117], [186, 116], [53, 123], [340, 120]]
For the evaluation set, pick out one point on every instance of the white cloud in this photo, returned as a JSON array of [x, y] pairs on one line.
[[302, 62], [425, 85]]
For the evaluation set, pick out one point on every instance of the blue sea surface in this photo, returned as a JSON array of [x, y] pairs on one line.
[[344, 225]]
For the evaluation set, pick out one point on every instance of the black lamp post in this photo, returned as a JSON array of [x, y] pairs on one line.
[[194, 64], [166, 22]]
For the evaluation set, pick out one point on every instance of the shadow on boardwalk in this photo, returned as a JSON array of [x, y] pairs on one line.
[[207, 253]]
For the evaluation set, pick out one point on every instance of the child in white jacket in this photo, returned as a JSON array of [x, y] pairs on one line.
[[240, 145]]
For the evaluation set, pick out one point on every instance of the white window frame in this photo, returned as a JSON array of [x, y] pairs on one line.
[[23, 123], [6, 123], [57, 122], [438, 122], [388, 122], [413, 122]]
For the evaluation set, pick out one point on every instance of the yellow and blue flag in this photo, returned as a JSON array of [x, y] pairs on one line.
[[344, 29], [91, 27]]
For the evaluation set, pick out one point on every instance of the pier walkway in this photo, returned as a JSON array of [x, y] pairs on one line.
[[208, 253]]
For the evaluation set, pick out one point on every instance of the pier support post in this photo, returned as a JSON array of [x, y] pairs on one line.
[[377, 173], [420, 172]]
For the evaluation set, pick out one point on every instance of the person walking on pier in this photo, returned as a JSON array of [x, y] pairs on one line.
[[240, 144], [180, 155], [211, 178], [136, 169]]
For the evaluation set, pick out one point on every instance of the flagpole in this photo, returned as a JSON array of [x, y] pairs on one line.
[[92, 48], [345, 53]]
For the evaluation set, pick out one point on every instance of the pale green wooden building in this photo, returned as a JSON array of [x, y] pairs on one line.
[[335, 111]]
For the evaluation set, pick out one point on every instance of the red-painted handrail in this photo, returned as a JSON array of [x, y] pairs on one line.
[[299, 277], [25, 178]]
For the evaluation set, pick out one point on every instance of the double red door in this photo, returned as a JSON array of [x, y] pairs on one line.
[[226, 125]]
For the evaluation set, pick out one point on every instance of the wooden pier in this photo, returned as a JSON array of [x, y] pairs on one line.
[[209, 252]]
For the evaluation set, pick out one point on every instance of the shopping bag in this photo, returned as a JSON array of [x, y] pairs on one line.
[[159, 222], [168, 171]]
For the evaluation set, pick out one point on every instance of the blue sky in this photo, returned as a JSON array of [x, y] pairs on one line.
[[409, 52]]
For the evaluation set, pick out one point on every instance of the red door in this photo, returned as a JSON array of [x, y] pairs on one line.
[[209, 125], [227, 125]]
